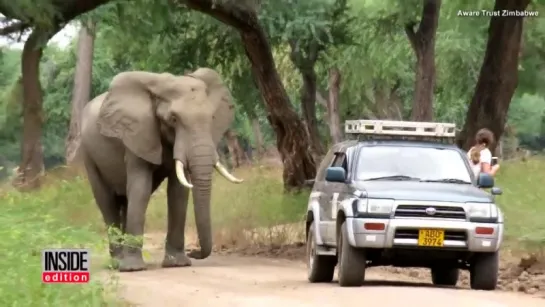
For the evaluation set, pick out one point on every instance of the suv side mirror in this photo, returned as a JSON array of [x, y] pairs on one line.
[[496, 191], [485, 181], [335, 174]]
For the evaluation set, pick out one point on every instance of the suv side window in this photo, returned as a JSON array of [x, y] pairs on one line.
[[320, 175], [340, 161]]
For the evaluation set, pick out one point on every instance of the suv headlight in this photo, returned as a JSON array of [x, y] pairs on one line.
[[482, 212], [375, 206]]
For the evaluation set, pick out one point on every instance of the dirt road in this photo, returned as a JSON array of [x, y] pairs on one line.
[[243, 281]]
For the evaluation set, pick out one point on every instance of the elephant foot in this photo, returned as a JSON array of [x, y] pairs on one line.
[[197, 254], [116, 253], [132, 262], [113, 264], [178, 259]]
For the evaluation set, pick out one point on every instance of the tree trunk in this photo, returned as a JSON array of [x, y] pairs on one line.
[[305, 60], [388, 104], [81, 92], [31, 166], [498, 77], [291, 140], [423, 44], [258, 138], [238, 156], [333, 105], [308, 106]]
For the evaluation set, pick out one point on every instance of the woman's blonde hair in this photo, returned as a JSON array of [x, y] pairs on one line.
[[483, 138]]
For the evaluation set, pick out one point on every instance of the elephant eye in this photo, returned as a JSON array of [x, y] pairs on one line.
[[172, 119]]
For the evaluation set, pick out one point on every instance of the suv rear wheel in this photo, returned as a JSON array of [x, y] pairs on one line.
[[351, 261], [319, 268], [483, 271], [444, 276]]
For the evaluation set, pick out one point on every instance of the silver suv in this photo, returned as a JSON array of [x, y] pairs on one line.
[[402, 195]]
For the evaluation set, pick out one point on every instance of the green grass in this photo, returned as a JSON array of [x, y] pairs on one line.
[[63, 214], [32, 222], [522, 201]]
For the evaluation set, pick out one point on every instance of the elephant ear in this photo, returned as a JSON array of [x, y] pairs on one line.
[[127, 113], [220, 96], [225, 112]]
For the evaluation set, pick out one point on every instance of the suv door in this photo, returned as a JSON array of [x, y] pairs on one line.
[[334, 194], [320, 193]]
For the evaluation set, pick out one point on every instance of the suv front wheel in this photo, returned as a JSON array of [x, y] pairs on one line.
[[351, 261], [483, 271], [319, 268]]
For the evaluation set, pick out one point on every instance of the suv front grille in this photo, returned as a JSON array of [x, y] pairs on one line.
[[453, 235], [445, 212]]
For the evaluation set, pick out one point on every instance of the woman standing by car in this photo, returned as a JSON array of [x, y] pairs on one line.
[[480, 156]]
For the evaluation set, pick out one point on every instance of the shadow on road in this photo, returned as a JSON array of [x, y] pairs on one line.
[[396, 283]]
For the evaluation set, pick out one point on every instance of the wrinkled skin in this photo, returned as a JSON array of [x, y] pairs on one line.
[[146, 128]]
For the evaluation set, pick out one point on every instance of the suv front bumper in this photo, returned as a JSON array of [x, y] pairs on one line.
[[403, 232]]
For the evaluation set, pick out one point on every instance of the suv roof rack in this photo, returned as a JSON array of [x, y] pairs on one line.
[[388, 129]]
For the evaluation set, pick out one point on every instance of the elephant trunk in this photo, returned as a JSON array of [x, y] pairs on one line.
[[201, 168]]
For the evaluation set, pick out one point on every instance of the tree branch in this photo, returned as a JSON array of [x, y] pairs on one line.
[[12, 28], [67, 12], [239, 17], [314, 50], [76, 8], [7, 11], [430, 17], [396, 86], [411, 35], [320, 99]]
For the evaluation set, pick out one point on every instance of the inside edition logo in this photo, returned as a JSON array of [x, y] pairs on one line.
[[65, 266]]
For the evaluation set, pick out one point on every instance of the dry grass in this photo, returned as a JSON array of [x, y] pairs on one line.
[[254, 212]]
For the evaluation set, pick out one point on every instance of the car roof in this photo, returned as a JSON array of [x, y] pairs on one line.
[[344, 145], [407, 143]]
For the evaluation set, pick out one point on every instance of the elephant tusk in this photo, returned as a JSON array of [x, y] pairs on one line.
[[181, 175], [225, 173]]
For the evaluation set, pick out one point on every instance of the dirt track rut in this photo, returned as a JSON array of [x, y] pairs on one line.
[[247, 281]]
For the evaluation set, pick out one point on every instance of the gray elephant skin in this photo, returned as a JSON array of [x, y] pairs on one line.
[[147, 128]]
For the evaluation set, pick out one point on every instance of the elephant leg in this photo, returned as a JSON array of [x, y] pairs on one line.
[[106, 202], [177, 198], [139, 187], [122, 203]]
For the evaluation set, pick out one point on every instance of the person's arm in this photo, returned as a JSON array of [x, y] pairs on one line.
[[494, 169], [486, 161]]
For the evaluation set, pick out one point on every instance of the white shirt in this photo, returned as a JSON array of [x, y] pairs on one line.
[[486, 157]]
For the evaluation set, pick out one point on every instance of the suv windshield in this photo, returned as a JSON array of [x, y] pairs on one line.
[[411, 163]]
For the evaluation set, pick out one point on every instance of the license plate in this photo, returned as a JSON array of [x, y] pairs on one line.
[[431, 237]]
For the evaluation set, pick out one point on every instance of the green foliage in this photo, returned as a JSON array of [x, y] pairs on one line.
[[364, 39], [32, 222], [527, 114], [39, 13], [318, 21]]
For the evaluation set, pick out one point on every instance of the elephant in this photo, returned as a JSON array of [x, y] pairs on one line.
[[146, 128]]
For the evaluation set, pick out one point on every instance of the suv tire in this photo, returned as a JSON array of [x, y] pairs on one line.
[[319, 268], [483, 271], [351, 261], [444, 276]]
